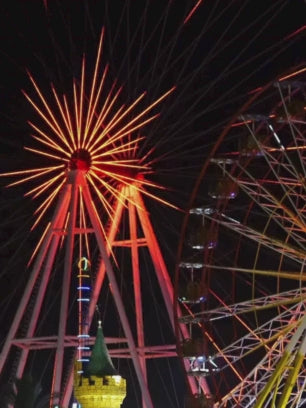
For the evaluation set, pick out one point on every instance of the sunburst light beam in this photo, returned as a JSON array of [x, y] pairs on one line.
[[88, 132]]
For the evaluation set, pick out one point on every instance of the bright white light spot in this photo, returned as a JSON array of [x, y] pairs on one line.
[[276, 137], [117, 379]]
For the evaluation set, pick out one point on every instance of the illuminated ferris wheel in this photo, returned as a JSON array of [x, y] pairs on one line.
[[94, 170], [99, 181], [241, 276]]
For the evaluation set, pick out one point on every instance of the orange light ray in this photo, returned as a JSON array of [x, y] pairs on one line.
[[54, 126], [44, 117], [28, 171], [44, 186], [104, 233], [120, 161], [83, 223], [65, 115], [45, 136], [127, 181], [114, 123], [65, 229], [122, 148], [56, 148], [156, 198], [120, 164], [112, 153], [145, 157], [135, 147], [108, 208], [107, 204], [105, 132], [292, 74], [112, 190], [245, 122], [145, 111], [76, 114], [81, 103], [25, 179], [40, 152], [47, 199], [39, 244], [46, 204], [128, 153], [91, 109], [69, 122], [120, 135], [102, 116]]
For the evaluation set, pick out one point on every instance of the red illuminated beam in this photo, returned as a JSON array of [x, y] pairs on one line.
[[192, 11]]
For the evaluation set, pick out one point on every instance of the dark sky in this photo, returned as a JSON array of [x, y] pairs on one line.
[[224, 51]]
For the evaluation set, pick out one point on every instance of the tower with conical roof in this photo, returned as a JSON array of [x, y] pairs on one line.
[[98, 385]]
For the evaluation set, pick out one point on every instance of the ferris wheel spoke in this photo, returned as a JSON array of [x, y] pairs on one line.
[[270, 377], [295, 132], [269, 242], [290, 218], [261, 336], [290, 187], [253, 305]]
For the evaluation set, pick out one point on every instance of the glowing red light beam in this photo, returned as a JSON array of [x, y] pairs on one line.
[[193, 10]]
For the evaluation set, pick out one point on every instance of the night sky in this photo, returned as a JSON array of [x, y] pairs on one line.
[[224, 51]]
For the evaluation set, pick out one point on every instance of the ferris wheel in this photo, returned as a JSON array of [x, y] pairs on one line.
[[96, 196], [94, 166], [241, 276]]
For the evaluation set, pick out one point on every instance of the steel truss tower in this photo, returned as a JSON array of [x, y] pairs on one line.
[[63, 230]]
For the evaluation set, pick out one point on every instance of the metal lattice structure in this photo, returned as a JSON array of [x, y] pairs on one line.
[[244, 278], [98, 182]]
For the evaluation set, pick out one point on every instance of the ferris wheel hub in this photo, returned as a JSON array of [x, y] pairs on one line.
[[80, 160]]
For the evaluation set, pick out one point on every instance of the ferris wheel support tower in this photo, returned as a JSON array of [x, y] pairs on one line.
[[64, 226]]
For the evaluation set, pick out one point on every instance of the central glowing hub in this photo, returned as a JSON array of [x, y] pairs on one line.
[[80, 160]]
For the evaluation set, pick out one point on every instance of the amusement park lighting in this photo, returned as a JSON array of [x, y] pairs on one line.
[[202, 210], [276, 137], [88, 133]]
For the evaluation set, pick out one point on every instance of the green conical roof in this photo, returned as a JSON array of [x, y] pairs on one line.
[[100, 363]]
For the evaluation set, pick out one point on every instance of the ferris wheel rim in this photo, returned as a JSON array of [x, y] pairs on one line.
[[254, 97]]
